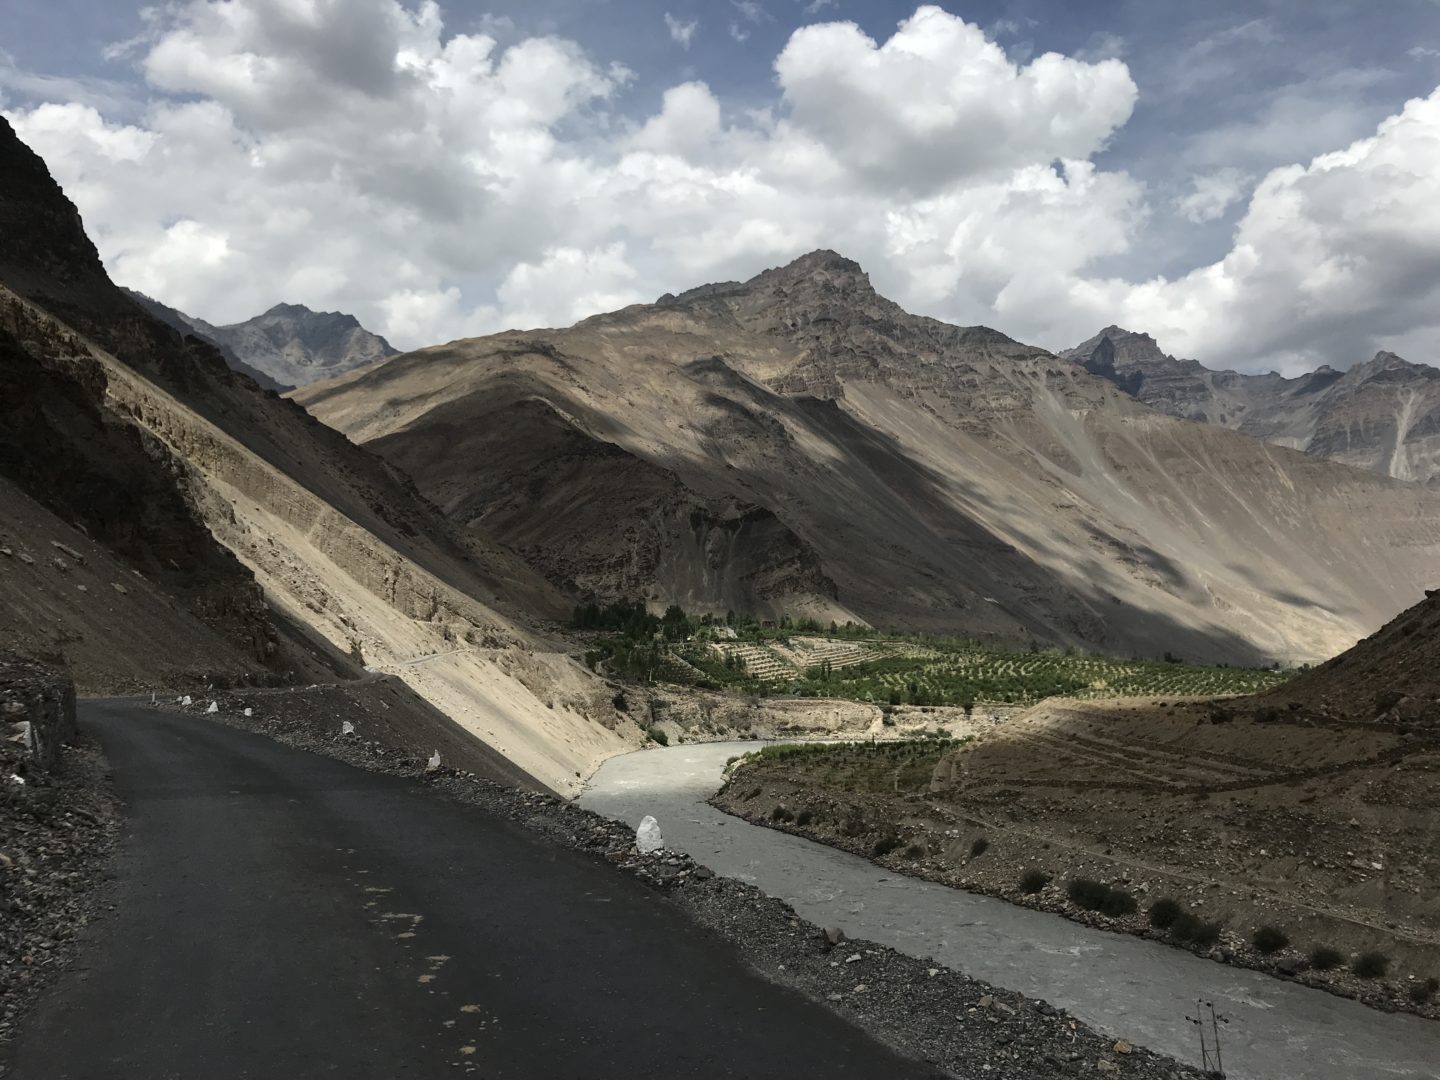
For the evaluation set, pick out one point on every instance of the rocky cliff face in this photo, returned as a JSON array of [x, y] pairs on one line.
[[601, 522], [1383, 415], [37, 713], [63, 445], [931, 476]]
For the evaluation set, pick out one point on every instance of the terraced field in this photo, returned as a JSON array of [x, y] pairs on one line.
[[808, 652]]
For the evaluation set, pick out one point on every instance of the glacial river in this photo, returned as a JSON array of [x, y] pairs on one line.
[[1121, 985]]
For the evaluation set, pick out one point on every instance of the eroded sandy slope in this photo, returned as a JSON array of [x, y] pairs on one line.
[[513, 687]]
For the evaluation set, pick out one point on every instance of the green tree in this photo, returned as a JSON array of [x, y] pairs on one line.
[[674, 624]]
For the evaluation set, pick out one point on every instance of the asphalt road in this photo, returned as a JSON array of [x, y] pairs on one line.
[[281, 914]]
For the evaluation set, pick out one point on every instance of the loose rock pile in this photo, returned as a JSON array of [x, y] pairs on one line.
[[37, 709], [58, 823]]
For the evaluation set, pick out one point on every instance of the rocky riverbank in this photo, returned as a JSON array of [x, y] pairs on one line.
[[968, 837]]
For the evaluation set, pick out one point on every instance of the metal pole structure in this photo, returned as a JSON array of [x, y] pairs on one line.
[[1199, 1021], [1215, 1021]]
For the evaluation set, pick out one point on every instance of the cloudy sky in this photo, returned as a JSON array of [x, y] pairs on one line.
[[1256, 183]]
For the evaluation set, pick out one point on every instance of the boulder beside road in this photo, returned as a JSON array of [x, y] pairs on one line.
[[37, 710]]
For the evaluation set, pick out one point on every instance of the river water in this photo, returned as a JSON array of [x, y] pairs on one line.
[[1124, 986]]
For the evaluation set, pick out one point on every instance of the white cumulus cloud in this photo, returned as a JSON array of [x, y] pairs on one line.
[[1329, 259], [357, 154], [586, 282], [1211, 194], [682, 31], [939, 102]]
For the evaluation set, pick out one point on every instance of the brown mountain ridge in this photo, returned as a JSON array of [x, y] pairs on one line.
[[799, 443]]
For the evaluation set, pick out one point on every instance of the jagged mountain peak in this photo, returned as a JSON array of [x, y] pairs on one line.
[[820, 282], [301, 312], [1117, 346], [45, 251], [286, 346], [188, 326], [822, 263], [843, 328], [823, 294], [1115, 332], [820, 273], [1379, 415], [283, 308], [1386, 362]]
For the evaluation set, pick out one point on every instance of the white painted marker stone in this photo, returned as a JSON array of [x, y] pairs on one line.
[[647, 837]]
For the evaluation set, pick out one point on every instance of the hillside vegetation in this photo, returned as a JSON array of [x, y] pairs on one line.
[[752, 657], [1292, 830]]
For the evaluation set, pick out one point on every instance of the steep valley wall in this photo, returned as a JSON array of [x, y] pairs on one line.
[[516, 690]]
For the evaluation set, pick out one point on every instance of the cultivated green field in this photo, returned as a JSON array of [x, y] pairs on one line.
[[963, 676], [884, 670]]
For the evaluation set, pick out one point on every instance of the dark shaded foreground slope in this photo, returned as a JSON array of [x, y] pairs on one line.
[[282, 914], [1392, 676]]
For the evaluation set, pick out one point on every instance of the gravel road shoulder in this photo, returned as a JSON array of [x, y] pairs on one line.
[[57, 834]]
